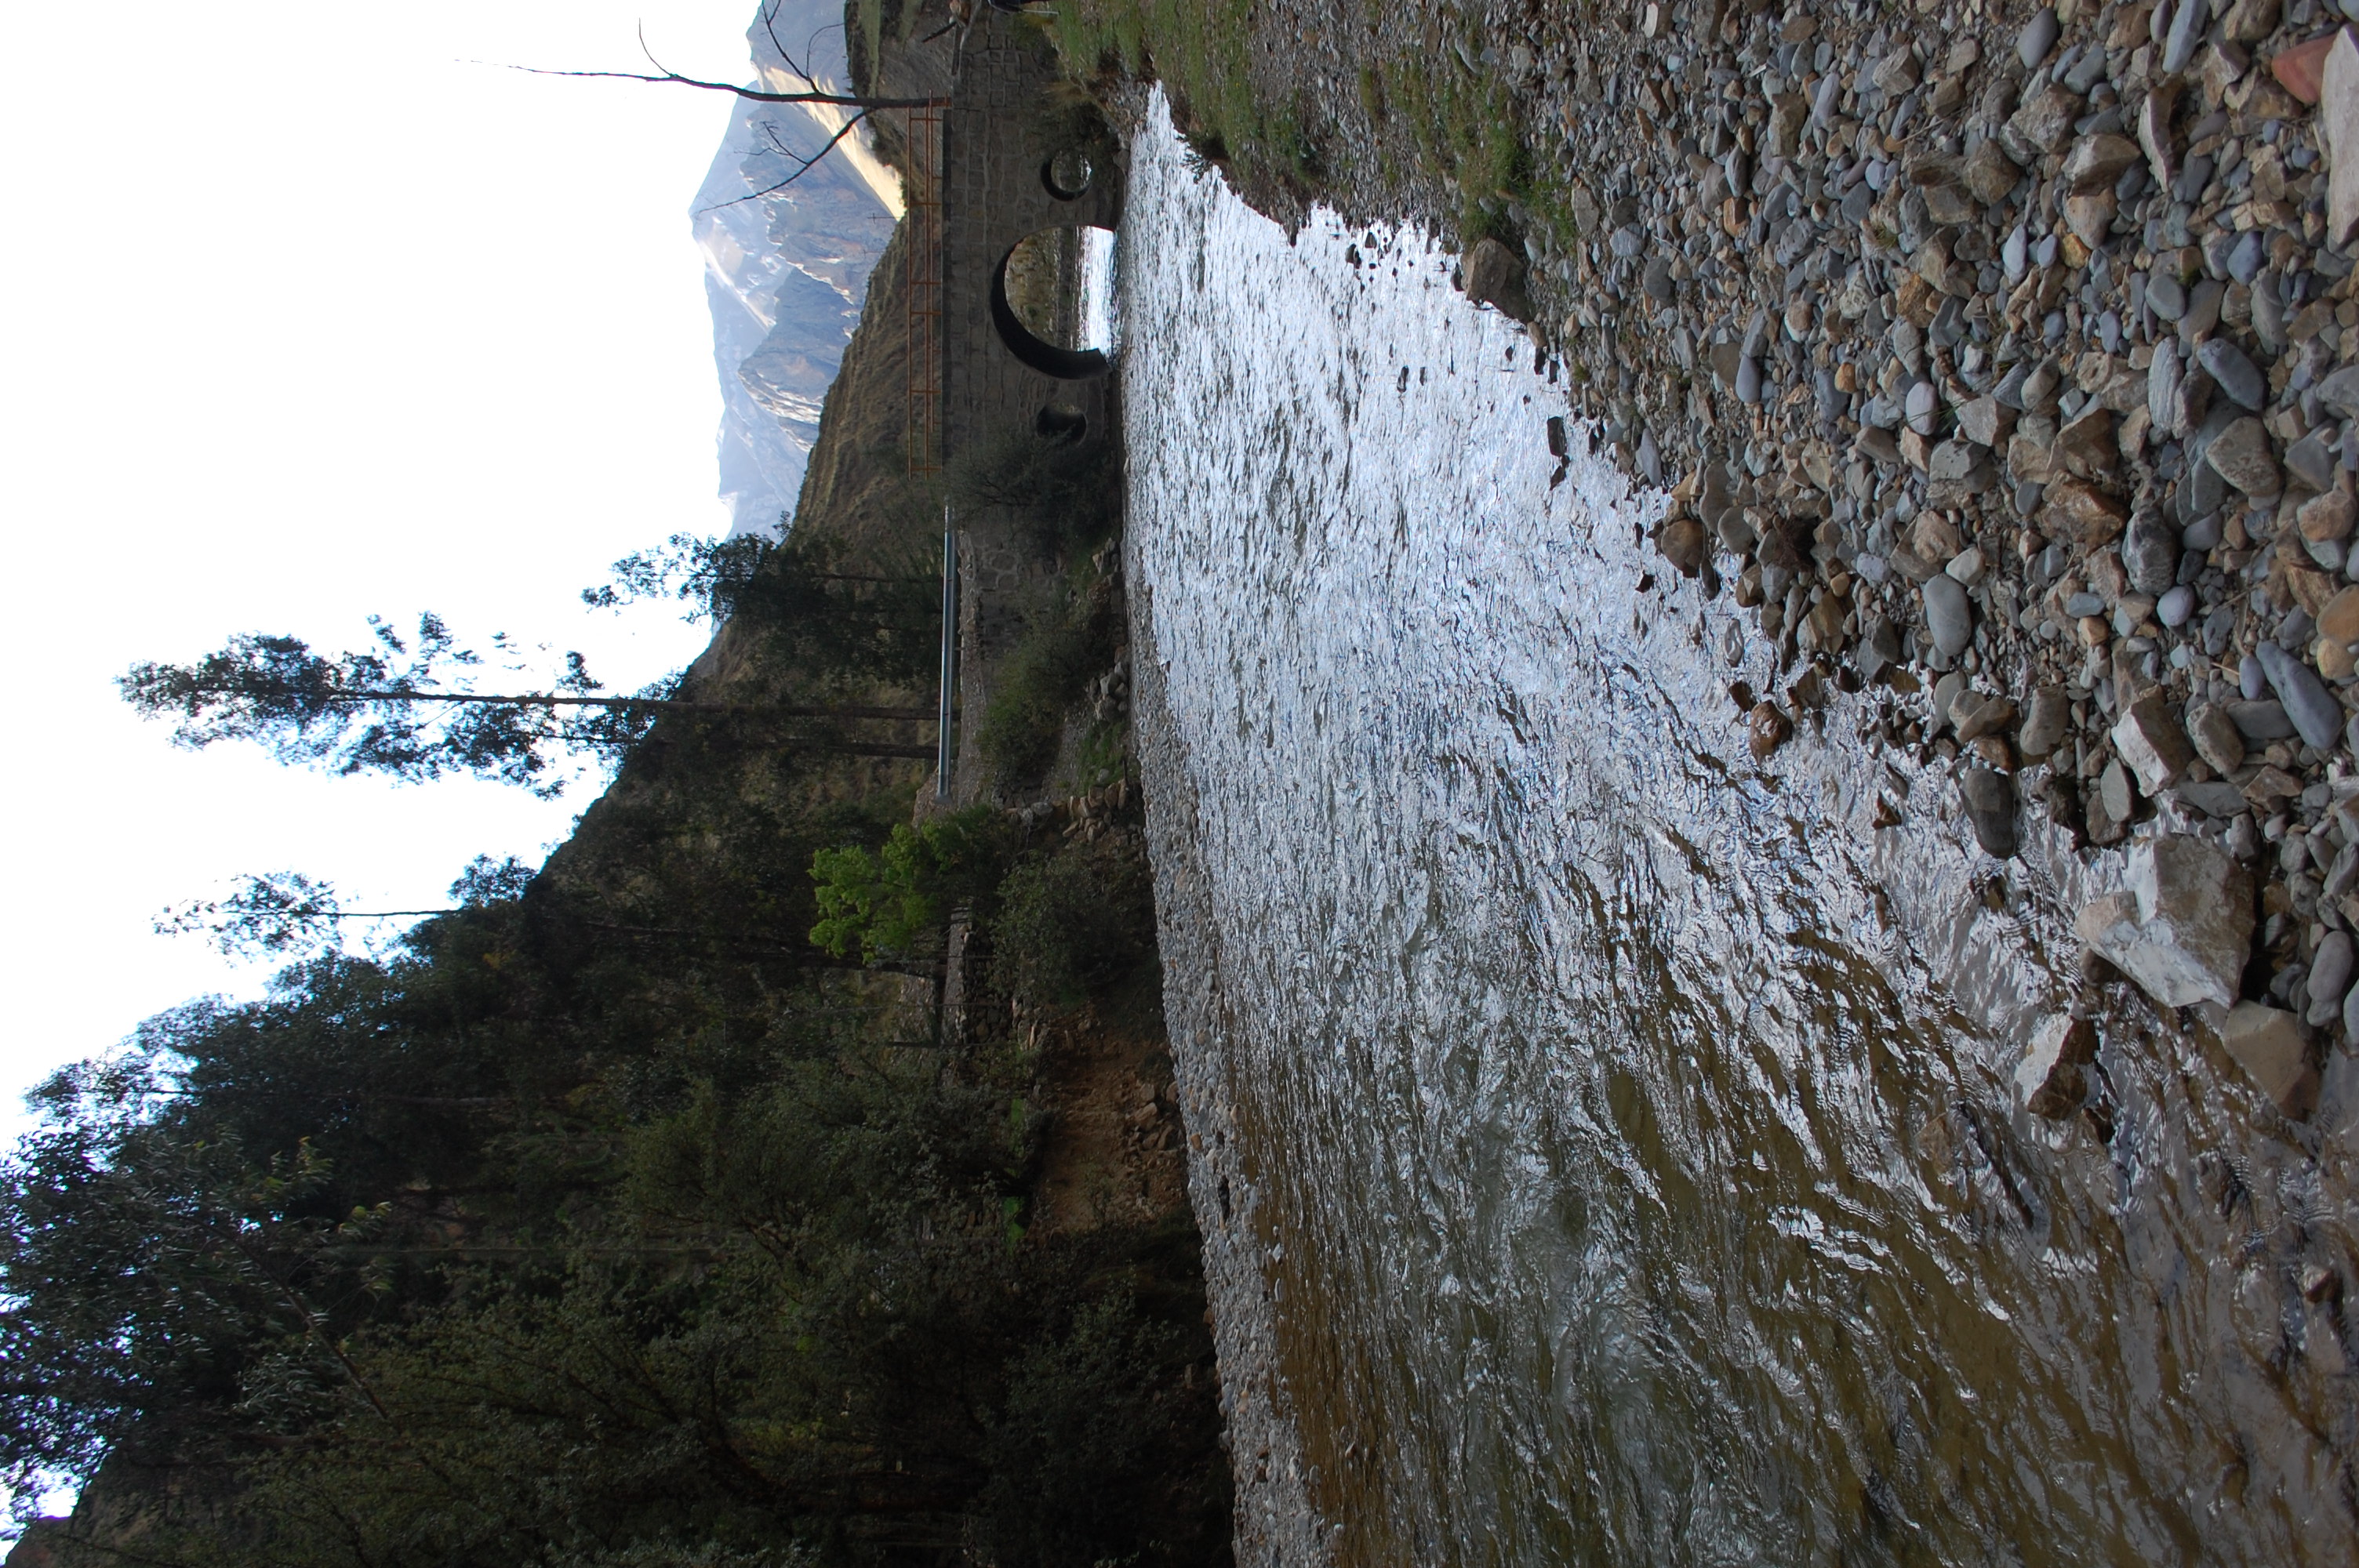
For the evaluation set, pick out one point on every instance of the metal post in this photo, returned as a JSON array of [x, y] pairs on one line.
[[949, 656]]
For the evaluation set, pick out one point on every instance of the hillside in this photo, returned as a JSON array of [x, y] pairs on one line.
[[622, 1220]]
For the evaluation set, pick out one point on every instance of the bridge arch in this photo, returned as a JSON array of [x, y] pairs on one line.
[[1014, 148], [1060, 270]]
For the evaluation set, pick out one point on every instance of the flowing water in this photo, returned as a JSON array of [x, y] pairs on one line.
[[1606, 1143]]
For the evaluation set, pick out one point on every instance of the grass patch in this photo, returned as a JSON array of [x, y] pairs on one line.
[[1103, 756], [1416, 92], [1200, 51], [1067, 639]]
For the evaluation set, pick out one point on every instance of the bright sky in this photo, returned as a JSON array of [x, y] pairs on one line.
[[304, 316]]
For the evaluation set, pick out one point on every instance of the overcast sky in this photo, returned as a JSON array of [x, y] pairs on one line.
[[303, 316]]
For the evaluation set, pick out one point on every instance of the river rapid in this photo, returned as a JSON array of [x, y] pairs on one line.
[[1606, 1144]]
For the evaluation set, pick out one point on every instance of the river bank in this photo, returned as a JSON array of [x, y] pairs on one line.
[[1989, 360], [2028, 672], [1609, 1145]]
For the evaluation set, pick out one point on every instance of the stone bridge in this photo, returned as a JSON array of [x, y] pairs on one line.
[[1006, 124]]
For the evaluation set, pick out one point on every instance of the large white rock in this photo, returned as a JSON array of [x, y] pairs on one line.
[[2183, 924], [2338, 124], [2049, 1077], [2267, 1043]]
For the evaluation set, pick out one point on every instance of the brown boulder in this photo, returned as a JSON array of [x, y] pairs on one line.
[[2098, 160], [1495, 275], [2241, 455], [2083, 513], [2327, 516], [1683, 544], [2049, 1077], [1990, 174], [2267, 1042], [2338, 619]]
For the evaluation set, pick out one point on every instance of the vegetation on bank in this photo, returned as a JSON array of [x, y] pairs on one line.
[[635, 1212], [1060, 497], [1426, 125]]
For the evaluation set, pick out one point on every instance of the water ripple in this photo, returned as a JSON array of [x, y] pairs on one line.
[[1606, 1142]]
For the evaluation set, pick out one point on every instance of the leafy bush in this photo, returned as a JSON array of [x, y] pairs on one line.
[[1073, 923], [890, 900], [1070, 1452]]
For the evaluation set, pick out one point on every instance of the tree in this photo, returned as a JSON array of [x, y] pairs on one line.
[[297, 918], [845, 627], [891, 901], [147, 1275], [812, 97], [282, 914], [415, 716]]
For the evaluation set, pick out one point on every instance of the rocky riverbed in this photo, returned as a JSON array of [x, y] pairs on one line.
[[2004, 360]]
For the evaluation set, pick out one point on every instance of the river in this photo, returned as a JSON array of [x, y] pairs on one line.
[[1606, 1143]]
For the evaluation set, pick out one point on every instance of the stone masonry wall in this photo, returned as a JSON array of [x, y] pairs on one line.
[[998, 135]]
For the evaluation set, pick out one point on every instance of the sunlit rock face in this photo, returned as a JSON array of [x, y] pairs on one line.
[[786, 268]]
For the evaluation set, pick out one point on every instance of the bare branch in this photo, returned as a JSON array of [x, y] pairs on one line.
[[805, 164], [361, 696], [771, 26], [752, 95]]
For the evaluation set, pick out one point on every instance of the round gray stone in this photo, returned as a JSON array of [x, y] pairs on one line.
[[1918, 407], [2330, 977], [1989, 796], [2244, 261], [1948, 616], [2038, 36], [2150, 552], [2315, 715], [2187, 23], [2226, 363], [2174, 607]]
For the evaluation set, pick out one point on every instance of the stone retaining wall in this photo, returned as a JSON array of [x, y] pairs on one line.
[[998, 135]]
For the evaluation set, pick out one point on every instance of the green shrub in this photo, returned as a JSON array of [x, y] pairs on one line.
[[890, 900], [1072, 925], [1070, 1450]]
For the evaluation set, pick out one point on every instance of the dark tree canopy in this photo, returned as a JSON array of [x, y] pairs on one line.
[[286, 915], [508, 1250], [406, 707], [841, 622], [412, 712]]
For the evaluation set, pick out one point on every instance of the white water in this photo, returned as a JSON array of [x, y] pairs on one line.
[[1605, 1144]]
